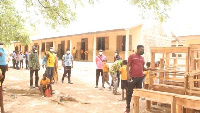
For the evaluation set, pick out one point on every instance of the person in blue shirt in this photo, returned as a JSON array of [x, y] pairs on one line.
[[44, 61], [3, 65], [67, 61]]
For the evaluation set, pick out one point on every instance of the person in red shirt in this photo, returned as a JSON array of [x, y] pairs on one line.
[[135, 73]]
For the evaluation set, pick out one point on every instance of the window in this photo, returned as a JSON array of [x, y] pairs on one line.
[[121, 43], [26, 48], [102, 43], [179, 55], [174, 55], [43, 47], [48, 45]]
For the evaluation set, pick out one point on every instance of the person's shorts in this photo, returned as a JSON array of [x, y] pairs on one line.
[[106, 76], [49, 71], [124, 84]]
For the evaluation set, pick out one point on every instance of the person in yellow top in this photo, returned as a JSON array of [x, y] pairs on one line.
[[45, 84], [146, 74], [74, 53], [105, 74], [124, 82], [50, 64]]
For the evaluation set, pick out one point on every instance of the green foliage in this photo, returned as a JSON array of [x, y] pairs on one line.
[[11, 24], [154, 8], [54, 13]]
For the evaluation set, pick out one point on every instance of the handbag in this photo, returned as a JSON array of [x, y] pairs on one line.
[[47, 93]]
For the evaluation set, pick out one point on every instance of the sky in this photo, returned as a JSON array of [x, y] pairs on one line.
[[117, 14]]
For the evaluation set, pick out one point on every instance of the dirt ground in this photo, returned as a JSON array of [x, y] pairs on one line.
[[79, 97]]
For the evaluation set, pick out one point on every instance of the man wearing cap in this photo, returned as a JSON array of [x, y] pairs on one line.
[[99, 66], [50, 64], [3, 65], [34, 66]]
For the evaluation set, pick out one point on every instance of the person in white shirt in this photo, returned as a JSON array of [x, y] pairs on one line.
[[21, 58]]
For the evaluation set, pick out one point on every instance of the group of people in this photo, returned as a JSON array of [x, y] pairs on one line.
[[131, 70], [50, 63], [18, 59], [132, 73], [117, 68]]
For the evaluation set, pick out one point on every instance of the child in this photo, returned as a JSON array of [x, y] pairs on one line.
[[105, 74], [45, 84], [146, 82], [124, 82]]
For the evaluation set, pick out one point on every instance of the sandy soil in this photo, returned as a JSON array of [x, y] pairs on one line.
[[79, 97]]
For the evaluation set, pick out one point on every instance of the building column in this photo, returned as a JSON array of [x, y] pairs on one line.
[[40, 48], [94, 48], [127, 45]]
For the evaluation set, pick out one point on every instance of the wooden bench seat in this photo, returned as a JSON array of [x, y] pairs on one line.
[[157, 96], [169, 88], [192, 102]]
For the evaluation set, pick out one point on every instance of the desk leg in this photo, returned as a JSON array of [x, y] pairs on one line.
[[136, 104], [179, 109], [148, 104]]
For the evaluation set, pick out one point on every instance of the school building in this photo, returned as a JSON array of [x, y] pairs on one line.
[[125, 40]]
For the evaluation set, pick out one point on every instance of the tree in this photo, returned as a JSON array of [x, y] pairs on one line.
[[13, 23], [155, 8], [56, 13]]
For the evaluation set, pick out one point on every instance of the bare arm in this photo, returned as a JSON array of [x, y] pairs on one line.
[[127, 70], [72, 63], [47, 57]]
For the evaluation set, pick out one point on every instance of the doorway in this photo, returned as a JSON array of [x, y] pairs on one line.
[[84, 48], [61, 49]]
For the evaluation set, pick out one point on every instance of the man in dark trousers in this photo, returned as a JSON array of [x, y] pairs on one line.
[[3, 65], [135, 74], [50, 58], [67, 61], [99, 66], [34, 66]]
